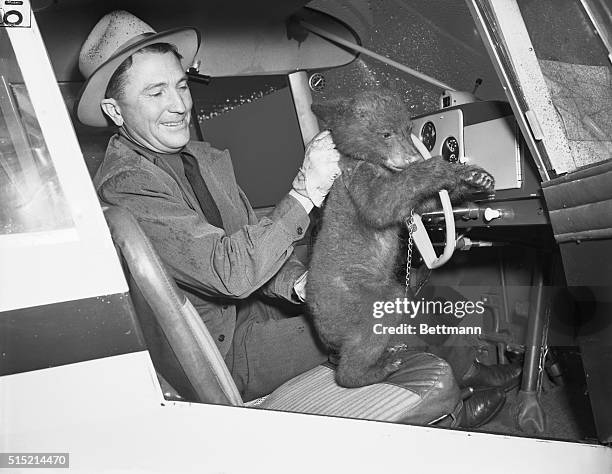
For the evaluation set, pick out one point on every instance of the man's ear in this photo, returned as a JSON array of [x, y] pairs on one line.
[[111, 108]]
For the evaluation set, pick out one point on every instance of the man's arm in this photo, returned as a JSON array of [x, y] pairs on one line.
[[281, 285], [199, 255]]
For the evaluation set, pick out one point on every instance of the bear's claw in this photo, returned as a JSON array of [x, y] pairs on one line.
[[480, 179]]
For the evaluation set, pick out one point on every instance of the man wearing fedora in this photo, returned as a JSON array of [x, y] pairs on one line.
[[185, 196]]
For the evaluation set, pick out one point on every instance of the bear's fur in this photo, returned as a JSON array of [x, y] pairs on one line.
[[354, 256]]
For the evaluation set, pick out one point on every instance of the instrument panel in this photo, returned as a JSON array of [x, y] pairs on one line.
[[480, 133], [486, 134]]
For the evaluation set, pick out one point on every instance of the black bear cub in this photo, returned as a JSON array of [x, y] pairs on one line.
[[353, 260]]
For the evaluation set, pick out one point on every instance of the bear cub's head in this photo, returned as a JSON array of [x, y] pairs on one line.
[[373, 126]]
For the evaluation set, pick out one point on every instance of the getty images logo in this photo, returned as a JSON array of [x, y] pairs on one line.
[[15, 13]]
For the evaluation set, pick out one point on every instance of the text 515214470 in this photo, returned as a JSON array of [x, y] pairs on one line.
[[34, 460]]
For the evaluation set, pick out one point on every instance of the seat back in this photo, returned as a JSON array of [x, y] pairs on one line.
[[173, 329]]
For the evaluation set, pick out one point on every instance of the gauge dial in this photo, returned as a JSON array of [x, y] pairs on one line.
[[450, 150], [428, 135], [317, 82]]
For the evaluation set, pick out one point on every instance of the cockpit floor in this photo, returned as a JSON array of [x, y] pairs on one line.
[[565, 403]]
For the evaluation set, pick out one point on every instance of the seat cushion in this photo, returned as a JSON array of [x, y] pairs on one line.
[[422, 391]]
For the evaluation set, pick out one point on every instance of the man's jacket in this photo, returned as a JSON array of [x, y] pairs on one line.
[[215, 267]]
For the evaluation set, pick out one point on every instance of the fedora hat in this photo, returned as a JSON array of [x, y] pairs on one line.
[[115, 37]]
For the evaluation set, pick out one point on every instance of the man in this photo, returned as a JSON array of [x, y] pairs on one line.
[[186, 199], [185, 196]]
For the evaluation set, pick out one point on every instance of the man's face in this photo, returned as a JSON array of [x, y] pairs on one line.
[[156, 103]]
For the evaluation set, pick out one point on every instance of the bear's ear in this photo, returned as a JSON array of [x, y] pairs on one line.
[[324, 112], [328, 111]]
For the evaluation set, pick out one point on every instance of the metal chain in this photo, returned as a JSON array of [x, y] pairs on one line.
[[411, 229]]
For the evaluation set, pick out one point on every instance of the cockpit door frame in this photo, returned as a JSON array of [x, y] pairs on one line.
[[41, 268]]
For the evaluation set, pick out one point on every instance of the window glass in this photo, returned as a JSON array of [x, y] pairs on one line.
[[254, 118], [224, 94], [31, 196], [435, 37], [569, 38]]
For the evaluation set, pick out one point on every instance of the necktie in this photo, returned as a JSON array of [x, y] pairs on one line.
[[209, 208]]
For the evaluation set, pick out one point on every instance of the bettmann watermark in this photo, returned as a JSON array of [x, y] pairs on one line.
[[413, 308]]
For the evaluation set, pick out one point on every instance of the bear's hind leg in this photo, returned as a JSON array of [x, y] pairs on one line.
[[368, 361]]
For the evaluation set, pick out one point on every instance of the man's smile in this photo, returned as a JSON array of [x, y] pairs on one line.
[[178, 124]]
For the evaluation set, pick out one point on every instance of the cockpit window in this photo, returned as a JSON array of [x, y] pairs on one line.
[[30, 192], [572, 42], [266, 153], [434, 37]]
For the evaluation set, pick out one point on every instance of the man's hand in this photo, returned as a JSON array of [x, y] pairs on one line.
[[319, 170], [300, 287]]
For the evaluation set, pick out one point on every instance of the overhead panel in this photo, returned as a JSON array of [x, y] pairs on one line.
[[243, 44]]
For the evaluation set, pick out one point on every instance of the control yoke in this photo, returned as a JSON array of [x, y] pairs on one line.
[[421, 238]]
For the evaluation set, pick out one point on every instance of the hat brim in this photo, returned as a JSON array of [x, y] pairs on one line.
[[89, 110]]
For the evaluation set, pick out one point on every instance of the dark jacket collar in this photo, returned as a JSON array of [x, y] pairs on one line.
[[215, 167]]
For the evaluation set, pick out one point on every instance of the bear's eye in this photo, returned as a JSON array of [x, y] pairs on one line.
[[386, 135]]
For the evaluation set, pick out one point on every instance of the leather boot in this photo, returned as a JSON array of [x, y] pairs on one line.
[[505, 377], [481, 407]]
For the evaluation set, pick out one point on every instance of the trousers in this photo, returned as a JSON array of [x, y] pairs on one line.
[[271, 346]]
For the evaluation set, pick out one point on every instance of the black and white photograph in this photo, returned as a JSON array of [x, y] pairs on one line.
[[306, 236]]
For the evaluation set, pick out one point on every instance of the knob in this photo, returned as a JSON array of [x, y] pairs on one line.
[[490, 214]]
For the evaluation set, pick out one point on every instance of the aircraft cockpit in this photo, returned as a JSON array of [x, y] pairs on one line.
[[100, 349]]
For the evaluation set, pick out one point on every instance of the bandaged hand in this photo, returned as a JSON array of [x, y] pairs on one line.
[[319, 170]]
